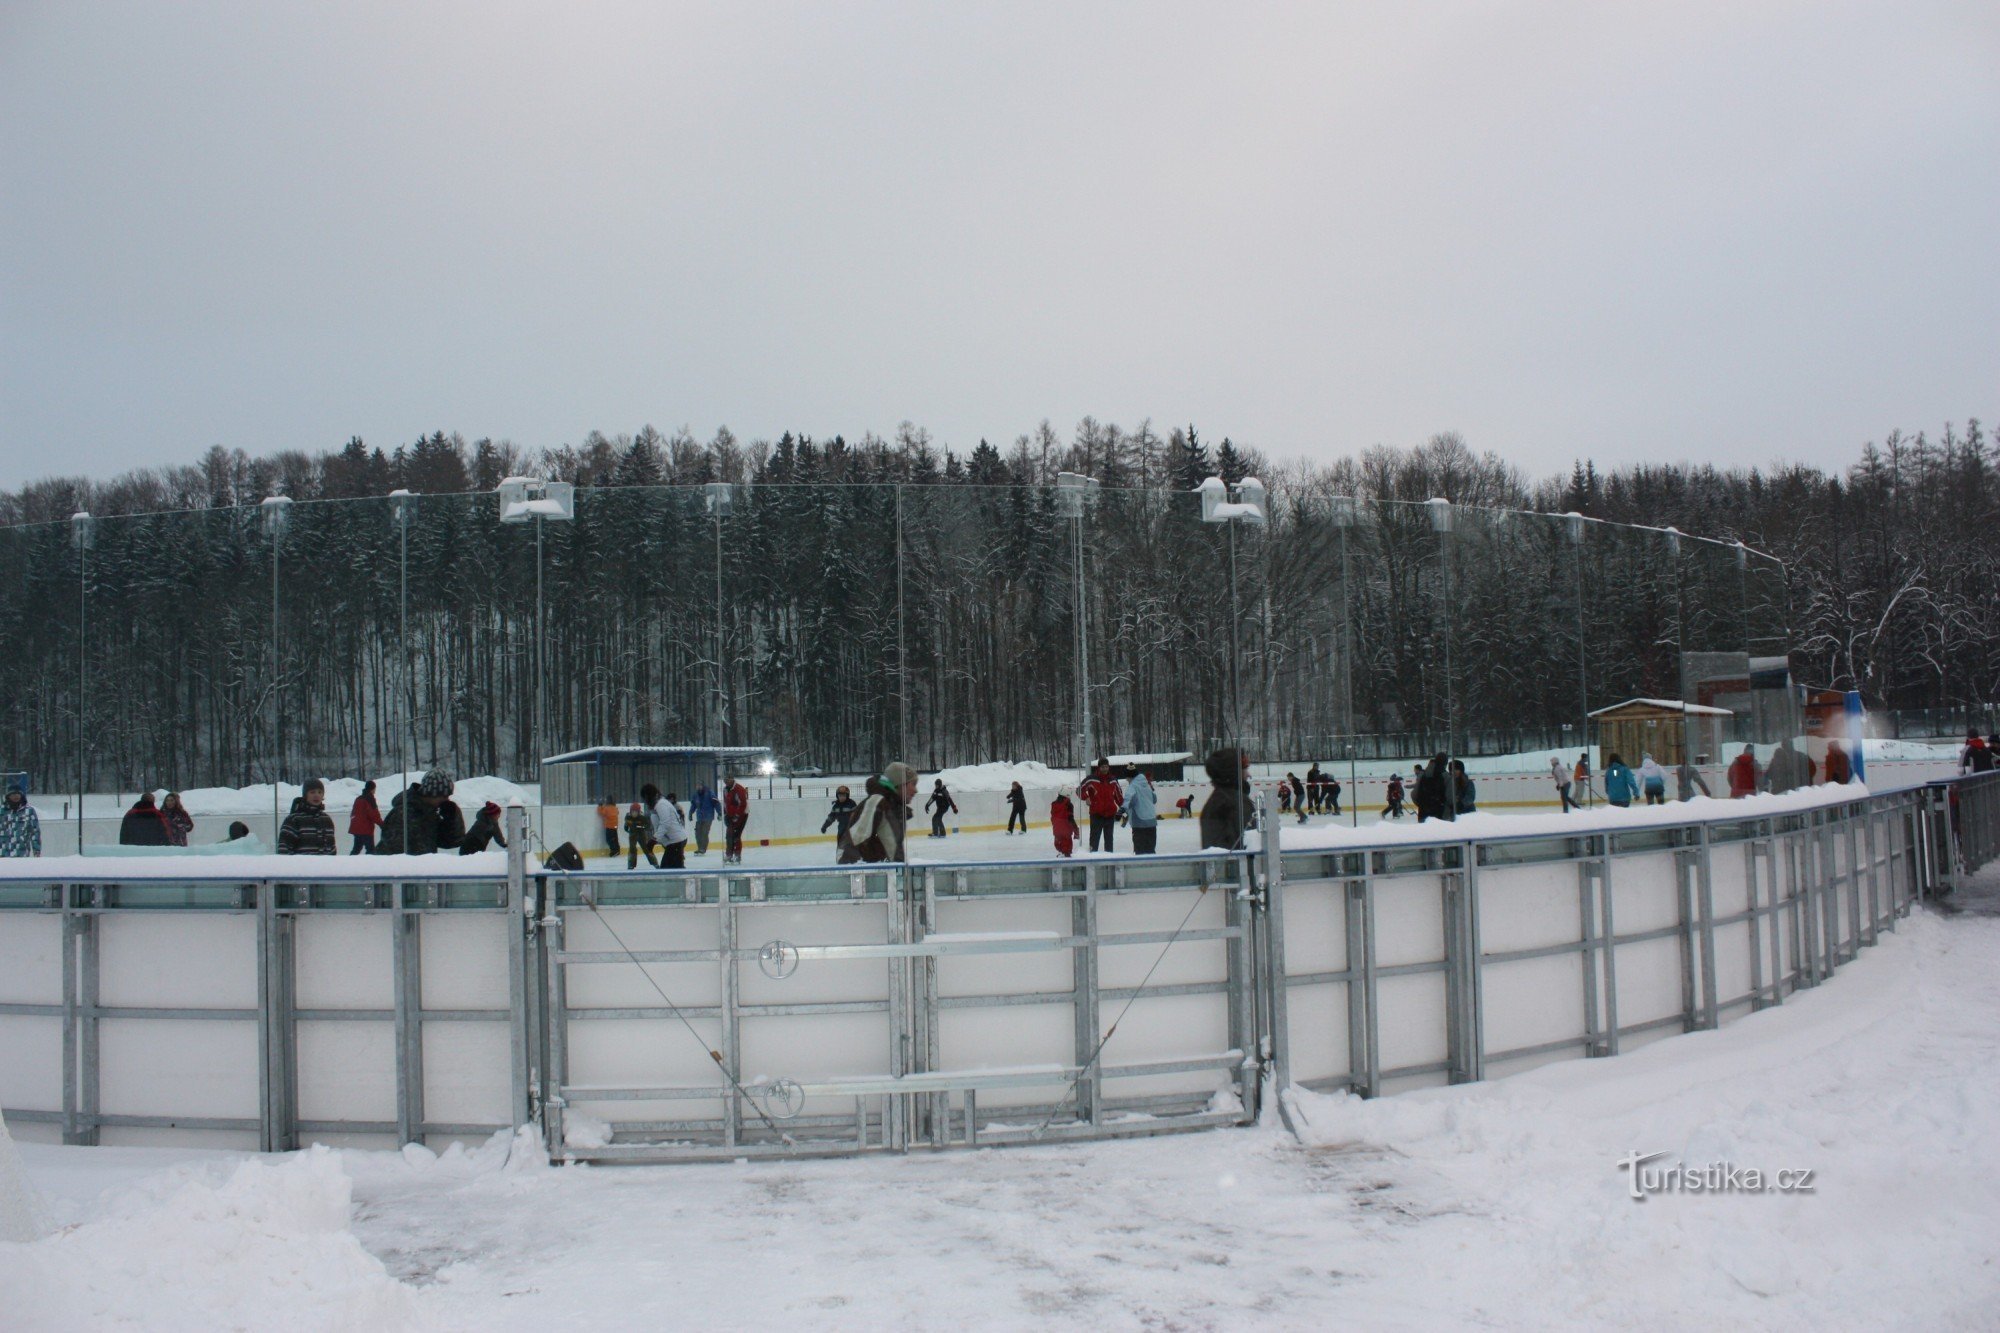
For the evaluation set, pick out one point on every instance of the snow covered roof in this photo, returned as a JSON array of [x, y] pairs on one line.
[[1179, 758], [1667, 705], [639, 754]]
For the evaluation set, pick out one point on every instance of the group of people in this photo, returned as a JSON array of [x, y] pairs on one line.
[[1317, 791], [1108, 805], [657, 828]]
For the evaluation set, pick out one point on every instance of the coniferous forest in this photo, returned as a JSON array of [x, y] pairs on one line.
[[149, 656]]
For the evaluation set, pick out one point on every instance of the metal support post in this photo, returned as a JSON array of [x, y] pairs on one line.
[[524, 1030], [1586, 911], [406, 958], [732, 1060], [1711, 1009], [1272, 966], [1084, 999]]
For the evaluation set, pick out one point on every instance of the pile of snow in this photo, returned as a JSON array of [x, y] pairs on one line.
[[470, 793], [20, 1215], [999, 776]]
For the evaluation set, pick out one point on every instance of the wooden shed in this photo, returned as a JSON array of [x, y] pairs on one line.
[[1657, 727]]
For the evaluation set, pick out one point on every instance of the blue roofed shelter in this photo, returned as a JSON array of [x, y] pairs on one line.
[[618, 771]]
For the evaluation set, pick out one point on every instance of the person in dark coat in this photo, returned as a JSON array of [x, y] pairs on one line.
[[436, 823], [1315, 789], [485, 829], [364, 819], [839, 816], [1017, 807], [308, 829], [1226, 813], [1467, 789], [1298, 795], [1433, 794], [940, 804], [179, 822], [144, 825], [639, 837]]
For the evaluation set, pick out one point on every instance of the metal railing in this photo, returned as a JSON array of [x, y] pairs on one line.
[[636, 1016]]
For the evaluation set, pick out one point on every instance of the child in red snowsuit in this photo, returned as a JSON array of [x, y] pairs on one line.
[[1062, 822]]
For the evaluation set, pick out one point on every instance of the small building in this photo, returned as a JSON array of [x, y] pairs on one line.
[[1158, 768], [1667, 729], [618, 771]]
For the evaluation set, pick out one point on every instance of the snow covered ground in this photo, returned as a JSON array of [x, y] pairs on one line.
[[1499, 1203]]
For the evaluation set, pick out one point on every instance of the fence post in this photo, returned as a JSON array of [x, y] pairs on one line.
[[1277, 1041], [522, 1089]]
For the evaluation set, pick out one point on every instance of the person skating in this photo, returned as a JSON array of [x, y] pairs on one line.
[[939, 804], [881, 825], [1687, 779], [1331, 799], [1743, 775], [1226, 814], [308, 829], [433, 819], [1142, 807], [1838, 769], [1105, 801], [1017, 808], [668, 826], [1062, 823], [735, 814], [485, 830], [1560, 776], [839, 817], [1582, 772], [1298, 796], [143, 825], [607, 819], [1652, 779], [1394, 807], [1315, 788], [20, 826], [639, 837], [363, 818], [1977, 756], [1619, 784], [702, 809]]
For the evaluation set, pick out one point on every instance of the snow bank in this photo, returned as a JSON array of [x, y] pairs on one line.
[[262, 1243], [1000, 776], [470, 793]]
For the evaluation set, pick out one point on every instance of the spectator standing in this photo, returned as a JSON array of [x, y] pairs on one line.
[[1142, 807], [607, 819], [433, 820], [1105, 801], [485, 829], [1560, 776], [1017, 808], [20, 826], [881, 825], [940, 804], [1062, 823], [668, 827], [363, 819], [703, 808], [735, 814], [1619, 784], [1226, 814], [1466, 790], [143, 826], [639, 837], [179, 822], [308, 829]]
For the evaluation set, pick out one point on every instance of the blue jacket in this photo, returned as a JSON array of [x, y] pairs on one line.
[[703, 804], [1142, 803], [1619, 785]]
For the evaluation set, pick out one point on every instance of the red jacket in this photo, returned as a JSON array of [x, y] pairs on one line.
[[1103, 796], [365, 818], [1742, 776], [1838, 769], [1062, 824], [735, 802]]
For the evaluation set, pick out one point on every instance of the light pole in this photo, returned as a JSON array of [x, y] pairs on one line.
[[1218, 505], [525, 499], [83, 536], [1075, 494], [1442, 522], [402, 507], [277, 517], [720, 499], [1673, 536], [1573, 525], [902, 647]]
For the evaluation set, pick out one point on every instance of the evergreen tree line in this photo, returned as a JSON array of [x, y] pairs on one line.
[[891, 596]]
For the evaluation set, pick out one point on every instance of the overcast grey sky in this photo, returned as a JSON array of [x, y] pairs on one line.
[[1638, 231]]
